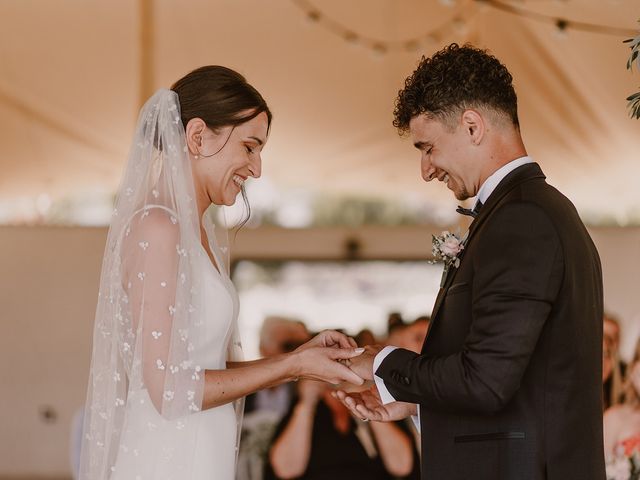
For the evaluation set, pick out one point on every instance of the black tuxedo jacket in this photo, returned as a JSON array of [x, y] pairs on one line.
[[509, 380]]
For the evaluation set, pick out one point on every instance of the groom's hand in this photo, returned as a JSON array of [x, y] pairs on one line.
[[368, 405], [362, 365]]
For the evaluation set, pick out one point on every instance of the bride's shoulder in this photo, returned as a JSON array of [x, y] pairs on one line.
[[154, 223]]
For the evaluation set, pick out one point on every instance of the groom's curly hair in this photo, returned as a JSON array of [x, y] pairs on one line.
[[452, 80]]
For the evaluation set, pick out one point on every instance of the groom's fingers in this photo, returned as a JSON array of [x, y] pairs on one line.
[[346, 399], [363, 412], [375, 394], [372, 395], [351, 404]]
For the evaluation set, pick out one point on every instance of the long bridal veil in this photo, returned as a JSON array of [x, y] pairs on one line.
[[147, 322]]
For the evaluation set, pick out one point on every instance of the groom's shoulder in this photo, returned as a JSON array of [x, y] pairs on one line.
[[537, 202], [538, 192]]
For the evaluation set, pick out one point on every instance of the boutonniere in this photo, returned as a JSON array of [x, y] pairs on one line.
[[447, 248]]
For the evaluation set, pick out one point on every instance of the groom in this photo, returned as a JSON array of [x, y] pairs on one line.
[[508, 383]]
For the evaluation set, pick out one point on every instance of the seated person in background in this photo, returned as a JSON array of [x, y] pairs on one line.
[[319, 439], [622, 422], [613, 369], [411, 335]]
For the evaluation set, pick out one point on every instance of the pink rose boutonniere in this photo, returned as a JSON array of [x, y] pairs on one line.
[[447, 248]]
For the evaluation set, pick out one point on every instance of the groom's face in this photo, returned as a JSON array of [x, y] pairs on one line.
[[445, 154]]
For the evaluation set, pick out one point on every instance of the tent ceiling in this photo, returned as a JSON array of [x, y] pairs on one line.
[[72, 77]]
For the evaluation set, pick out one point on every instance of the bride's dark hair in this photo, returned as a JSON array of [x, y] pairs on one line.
[[221, 97]]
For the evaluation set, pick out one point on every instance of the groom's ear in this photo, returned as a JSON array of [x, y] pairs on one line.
[[474, 126]]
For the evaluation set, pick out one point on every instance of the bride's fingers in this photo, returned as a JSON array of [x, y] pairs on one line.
[[348, 375], [335, 372], [332, 338], [344, 353]]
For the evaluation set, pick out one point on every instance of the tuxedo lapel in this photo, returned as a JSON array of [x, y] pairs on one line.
[[516, 177], [450, 275]]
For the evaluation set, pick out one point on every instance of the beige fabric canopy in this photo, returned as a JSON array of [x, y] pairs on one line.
[[74, 73]]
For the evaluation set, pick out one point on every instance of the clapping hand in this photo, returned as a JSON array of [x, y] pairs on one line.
[[368, 405], [310, 391]]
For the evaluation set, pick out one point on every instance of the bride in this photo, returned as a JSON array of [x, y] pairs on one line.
[[167, 377]]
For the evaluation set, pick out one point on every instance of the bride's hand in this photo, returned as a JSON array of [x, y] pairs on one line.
[[329, 338], [323, 363]]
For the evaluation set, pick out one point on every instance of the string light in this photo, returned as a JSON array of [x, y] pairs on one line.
[[562, 24], [457, 25]]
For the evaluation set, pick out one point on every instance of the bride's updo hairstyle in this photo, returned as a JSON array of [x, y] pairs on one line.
[[220, 96]]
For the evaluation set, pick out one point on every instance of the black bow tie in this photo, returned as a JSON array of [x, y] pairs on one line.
[[471, 212]]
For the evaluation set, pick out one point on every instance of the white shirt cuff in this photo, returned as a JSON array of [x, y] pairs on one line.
[[385, 396], [416, 420]]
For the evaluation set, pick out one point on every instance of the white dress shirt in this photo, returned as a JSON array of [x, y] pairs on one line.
[[486, 189]]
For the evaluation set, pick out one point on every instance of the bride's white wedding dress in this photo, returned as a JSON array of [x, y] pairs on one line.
[[165, 314], [146, 432]]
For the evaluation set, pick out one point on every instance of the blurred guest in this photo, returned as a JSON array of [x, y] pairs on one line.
[[410, 336], [613, 369], [278, 335], [365, 337], [319, 439], [281, 334], [265, 408], [622, 421], [394, 320]]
